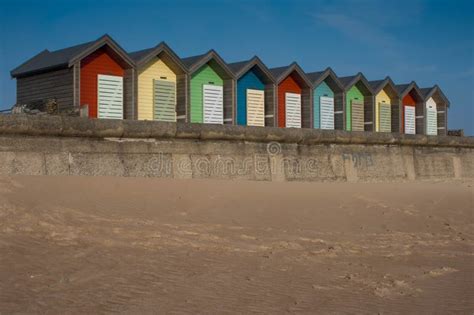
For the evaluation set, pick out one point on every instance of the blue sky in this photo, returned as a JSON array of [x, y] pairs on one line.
[[430, 41]]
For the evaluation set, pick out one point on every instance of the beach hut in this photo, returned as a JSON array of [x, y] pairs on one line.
[[412, 108], [328, 100], [161, 84], [359, 103], [211, 89], [387, 105], [436, 111], [255, 93], [294, 108], [97, 75]]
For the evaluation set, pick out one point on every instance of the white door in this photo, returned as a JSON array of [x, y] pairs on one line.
[[255, 108], [213, 104], [327, 112], [431, 118], [109, 96], [410, 120], [293, 110]]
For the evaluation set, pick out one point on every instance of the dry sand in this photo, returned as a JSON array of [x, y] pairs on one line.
[[87, 245]]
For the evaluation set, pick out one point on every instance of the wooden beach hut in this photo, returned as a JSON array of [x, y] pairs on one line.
[[412, 108], [294, 91], [210, 89], [255, 93], [328, 100], [97, 75], [387, 105], [359, 103], [161, 84], [436, 111]]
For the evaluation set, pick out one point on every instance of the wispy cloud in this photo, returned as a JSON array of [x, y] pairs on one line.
[[358, 29]]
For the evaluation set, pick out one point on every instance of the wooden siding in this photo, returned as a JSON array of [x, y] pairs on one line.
[[54, 84], [205, 75], [99, 62], [249, 80], [128, 85], [442, 119], [306, 108], [229, 101], [322, 89], [270, 117], [339, 111], [155, 69], [288, 85], [353, 94], [181, 97]]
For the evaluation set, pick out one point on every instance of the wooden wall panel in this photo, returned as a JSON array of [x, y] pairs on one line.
[[54, 84]]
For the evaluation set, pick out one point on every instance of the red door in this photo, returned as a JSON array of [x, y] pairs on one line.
[[99, 62], [288, 85]]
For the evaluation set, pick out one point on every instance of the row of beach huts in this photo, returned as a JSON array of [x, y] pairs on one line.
[[105, 81]]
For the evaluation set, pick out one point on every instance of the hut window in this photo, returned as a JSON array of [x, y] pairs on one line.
[[164, 78], [211, 82]]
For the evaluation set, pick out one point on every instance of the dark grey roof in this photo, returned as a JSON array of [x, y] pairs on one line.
[[345, 81], [138, 55], [425, 91], [277, 72], [190, 61], [237, 66], [376, 83], [402, 87], [48, 60], [314, 76]]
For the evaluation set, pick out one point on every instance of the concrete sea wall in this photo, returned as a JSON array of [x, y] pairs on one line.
[[54, 145]]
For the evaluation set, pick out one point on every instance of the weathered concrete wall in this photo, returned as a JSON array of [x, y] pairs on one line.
[[77, 146]]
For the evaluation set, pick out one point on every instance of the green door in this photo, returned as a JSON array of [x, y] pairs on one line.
[[164, 100], [204, 76]]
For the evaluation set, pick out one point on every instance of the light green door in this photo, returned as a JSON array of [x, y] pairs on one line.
[[164, 100]]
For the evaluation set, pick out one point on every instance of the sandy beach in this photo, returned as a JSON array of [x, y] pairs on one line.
[[92, 245]]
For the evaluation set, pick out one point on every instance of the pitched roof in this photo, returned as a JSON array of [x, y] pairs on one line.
[[242, 67], [402, 87], [193, 63], [277, 72], [190, 61], [319, 76], [346, 81], [141, 57], [47, 60], [425, 91], [429, 92], [376, 83], [315, 76], [139, 54], [238, 66]]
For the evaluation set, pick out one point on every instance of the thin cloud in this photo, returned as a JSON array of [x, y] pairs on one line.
[[358, 30]]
